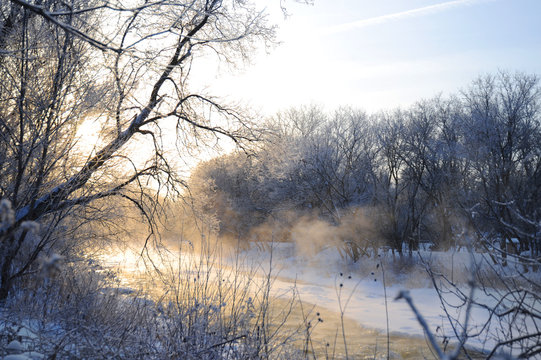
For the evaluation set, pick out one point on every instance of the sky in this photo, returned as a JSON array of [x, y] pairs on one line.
[[383, 54]]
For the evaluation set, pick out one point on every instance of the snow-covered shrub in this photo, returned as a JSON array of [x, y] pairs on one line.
[[73, 315], [194, 311]]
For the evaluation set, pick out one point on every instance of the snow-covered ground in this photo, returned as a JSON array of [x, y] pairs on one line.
[[325, 280], [321, 277]]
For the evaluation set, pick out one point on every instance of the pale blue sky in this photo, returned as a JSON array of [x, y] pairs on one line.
[[380, 54]]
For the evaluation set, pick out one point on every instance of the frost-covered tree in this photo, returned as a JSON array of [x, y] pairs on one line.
[[431, 173], [502, 130], [446, 181], [391, 190], [338, 162], [436, 171], [125, 67]]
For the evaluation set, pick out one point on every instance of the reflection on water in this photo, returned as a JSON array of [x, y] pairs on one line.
[[327, 340], [319, 332]]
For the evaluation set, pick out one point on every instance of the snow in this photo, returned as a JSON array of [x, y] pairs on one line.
[[14, 347], [16, 351], [362, 296], [324, 279], [318, 280]]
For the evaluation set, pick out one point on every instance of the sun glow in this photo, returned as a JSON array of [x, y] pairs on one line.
[[376, 55]]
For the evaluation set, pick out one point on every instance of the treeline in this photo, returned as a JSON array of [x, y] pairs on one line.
[[446, 171]]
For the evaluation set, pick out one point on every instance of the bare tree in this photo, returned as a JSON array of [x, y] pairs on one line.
[[391, 189], [503, 128], [127, 69]]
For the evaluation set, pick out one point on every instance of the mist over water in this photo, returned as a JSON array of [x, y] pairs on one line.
[[315, 311]]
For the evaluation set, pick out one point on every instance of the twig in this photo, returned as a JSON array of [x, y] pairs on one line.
[[222, 343], [404, 294]]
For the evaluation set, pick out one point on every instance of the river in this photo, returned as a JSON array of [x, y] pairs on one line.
[[332, 334]]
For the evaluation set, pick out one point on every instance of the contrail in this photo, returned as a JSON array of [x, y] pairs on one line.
[[426, 10]]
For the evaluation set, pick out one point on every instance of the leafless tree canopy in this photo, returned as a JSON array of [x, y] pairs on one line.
[[125, 67]]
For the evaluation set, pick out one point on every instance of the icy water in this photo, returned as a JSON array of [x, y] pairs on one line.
[[320, 332], [327, 340]]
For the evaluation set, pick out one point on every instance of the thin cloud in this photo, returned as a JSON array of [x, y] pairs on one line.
[[422, 11]]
